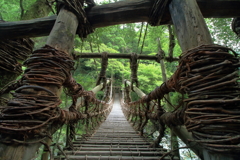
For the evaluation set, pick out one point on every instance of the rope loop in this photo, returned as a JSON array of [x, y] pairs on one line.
[[13, 50], [160, 55], [77, 7]]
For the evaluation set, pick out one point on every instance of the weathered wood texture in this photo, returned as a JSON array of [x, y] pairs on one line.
[[137, 90], [122, 12], [115, 55], [189, 24], [27, 28], [191, 31], [63, 33]]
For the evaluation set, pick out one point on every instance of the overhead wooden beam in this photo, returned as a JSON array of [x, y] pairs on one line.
[[116, 13], [191, 28]]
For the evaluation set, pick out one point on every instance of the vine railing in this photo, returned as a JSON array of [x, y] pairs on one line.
[[209, 76], [143, 116], [93, 113], [33, 114]]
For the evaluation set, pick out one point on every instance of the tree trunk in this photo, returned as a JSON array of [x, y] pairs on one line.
[[65, 29]]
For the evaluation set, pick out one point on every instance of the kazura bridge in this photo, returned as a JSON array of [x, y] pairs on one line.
[[207, 77]]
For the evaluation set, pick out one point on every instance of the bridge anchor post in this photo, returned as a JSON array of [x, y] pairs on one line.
[[192, 32]]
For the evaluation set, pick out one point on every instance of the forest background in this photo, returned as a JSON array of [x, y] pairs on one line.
[[139, 38]]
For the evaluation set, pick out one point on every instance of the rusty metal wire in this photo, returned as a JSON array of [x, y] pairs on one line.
[[77, 7], [104, 65]]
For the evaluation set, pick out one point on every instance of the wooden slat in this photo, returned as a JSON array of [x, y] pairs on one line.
[[111, 158], [114, 138]]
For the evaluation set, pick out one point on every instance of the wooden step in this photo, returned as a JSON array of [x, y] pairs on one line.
[[115, 153], [118, 138], [112, 146], [112, 143], [117, 149], [87, 157], [115, 139]]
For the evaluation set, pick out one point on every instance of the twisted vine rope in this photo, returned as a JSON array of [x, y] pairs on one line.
[[158, 9], [29, 114], [134, 68], [11, 53], [35, 107], [209, 75], [77, 7], [104, 65], [13, 50]]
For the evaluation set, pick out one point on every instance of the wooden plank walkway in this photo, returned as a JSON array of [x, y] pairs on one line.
[[115, 139]]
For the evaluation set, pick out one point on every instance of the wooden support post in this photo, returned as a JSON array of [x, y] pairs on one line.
[[189, 24], [137, 90], [191, 32], [61, 38], [116, 56], [99, 87], [94, 90]]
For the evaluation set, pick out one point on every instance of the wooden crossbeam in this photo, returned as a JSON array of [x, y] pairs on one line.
[[116, 13], [122, 56], [118, 56]]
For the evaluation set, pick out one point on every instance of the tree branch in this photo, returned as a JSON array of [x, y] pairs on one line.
[[22, 9]]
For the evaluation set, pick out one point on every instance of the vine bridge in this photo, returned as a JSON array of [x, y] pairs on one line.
[[114, 139], [207, 77]]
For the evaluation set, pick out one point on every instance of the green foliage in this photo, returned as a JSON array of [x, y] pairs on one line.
[[11, 10], [220, 29], [125, 39]]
